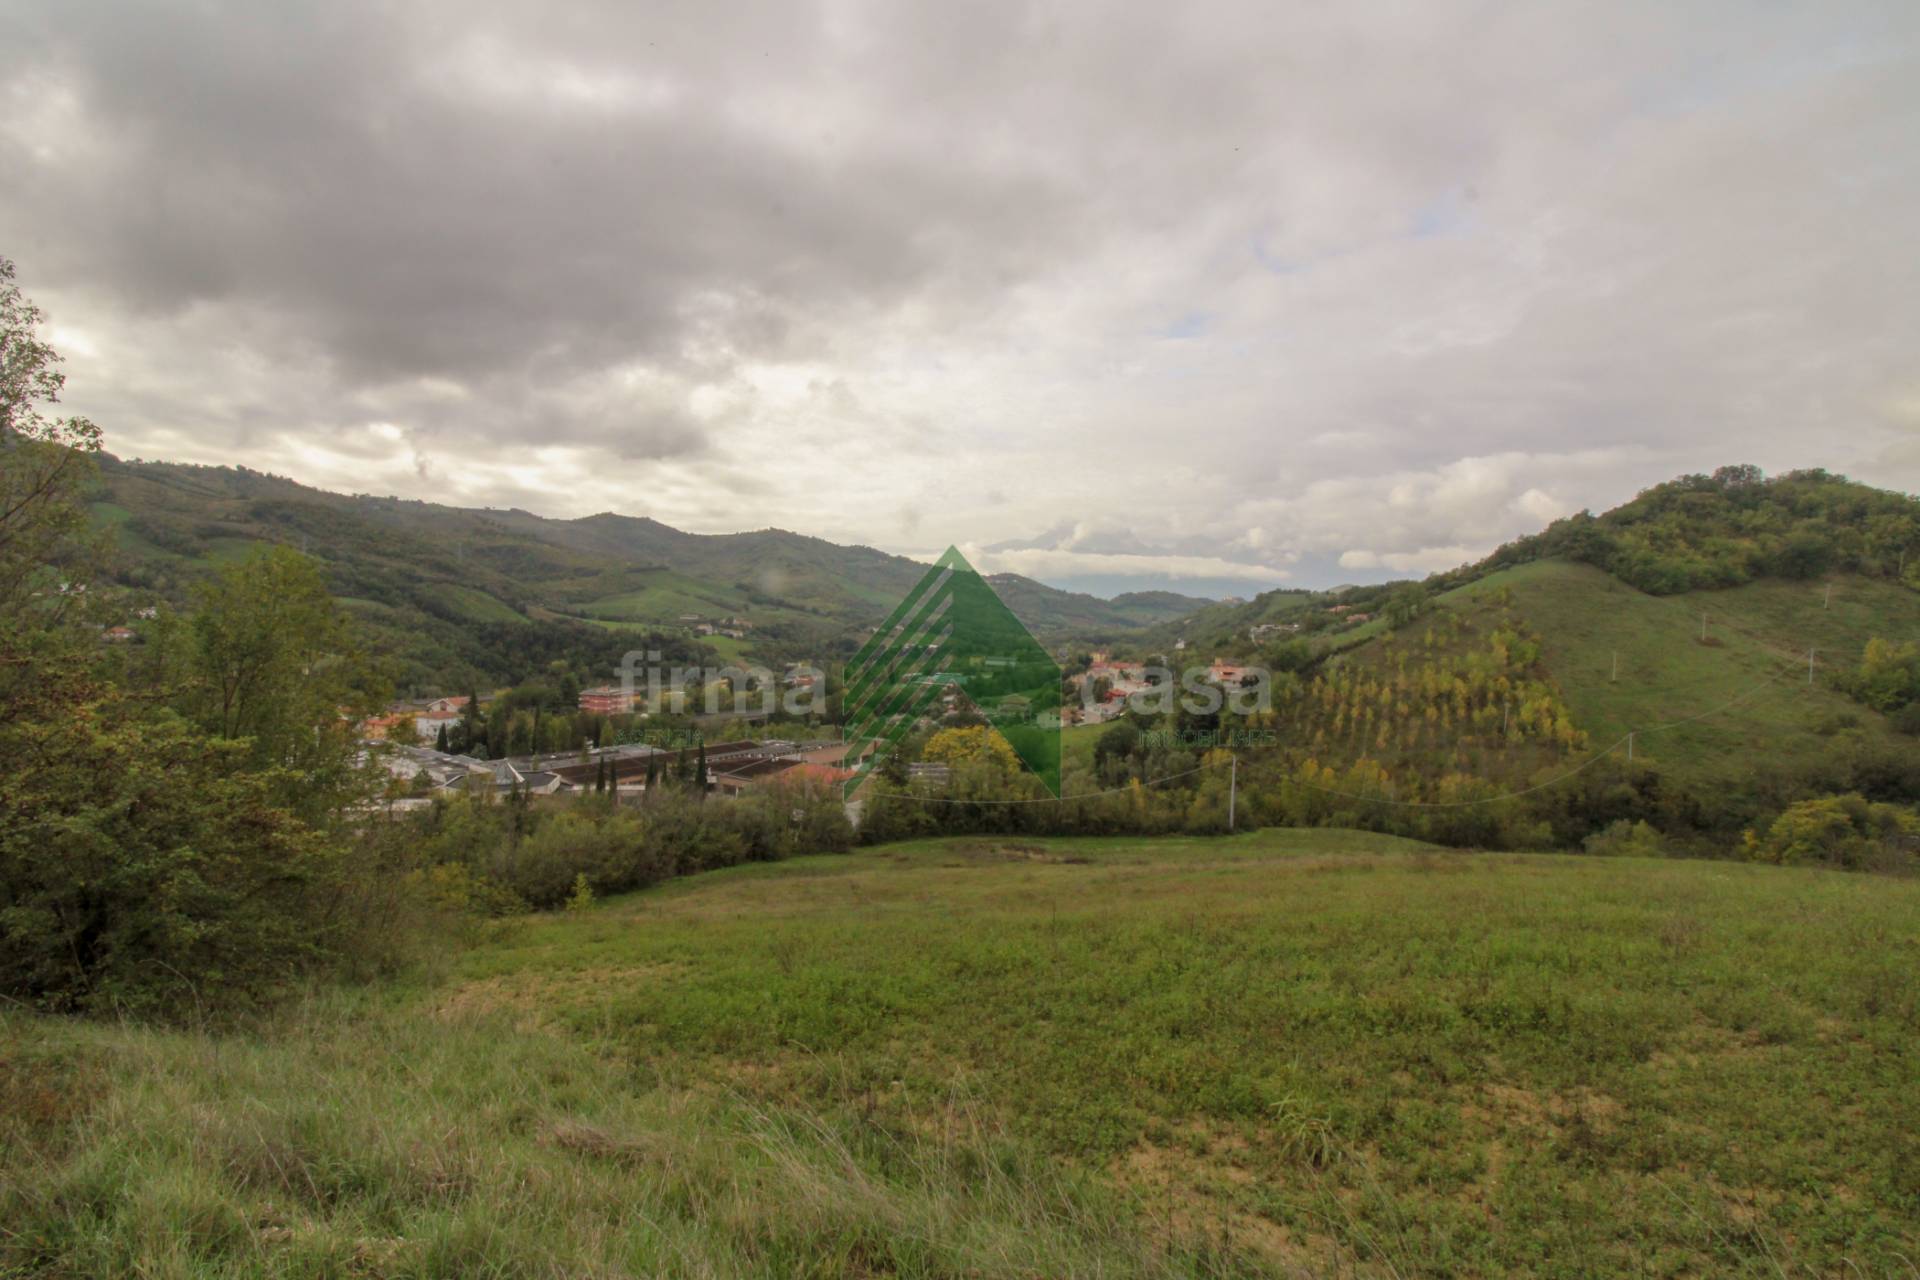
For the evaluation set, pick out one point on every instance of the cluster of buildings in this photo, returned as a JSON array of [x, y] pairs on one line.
[[612, 700], [427, 715], [732, 768], [1125, 679], [735, 628]]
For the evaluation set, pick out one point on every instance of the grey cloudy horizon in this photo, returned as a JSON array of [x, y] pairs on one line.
[[1117, 296]]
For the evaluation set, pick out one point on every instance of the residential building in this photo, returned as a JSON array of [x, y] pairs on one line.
[[607, 700], [1226, 673]]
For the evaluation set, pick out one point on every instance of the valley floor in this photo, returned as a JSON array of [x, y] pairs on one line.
[[1286, 1053]]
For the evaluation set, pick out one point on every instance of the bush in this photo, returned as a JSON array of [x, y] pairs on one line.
[[1907, 720], [1623, 839], [492, 858], [1888, 677], [612, 850], [1841, 831]]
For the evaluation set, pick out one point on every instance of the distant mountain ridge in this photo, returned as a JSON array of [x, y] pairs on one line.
[[397, 560]]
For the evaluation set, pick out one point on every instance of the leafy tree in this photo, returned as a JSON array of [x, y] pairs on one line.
[[1118, 740], [154, 870], [270, 660], [1406, 604], [1888, 676], [1804, 554], [266, 641], [147, 859], [45, 463], [1845, 831], [975, 745]]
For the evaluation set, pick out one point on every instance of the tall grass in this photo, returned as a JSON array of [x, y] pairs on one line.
[[355, 1139]]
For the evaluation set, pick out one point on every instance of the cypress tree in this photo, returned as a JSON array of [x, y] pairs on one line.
[[475, 730], [700, 772], [440, 741], [653, 772]]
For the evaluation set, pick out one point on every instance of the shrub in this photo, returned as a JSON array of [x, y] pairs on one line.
[[1842, 831], [611, 850], [1624, 839], [1888, 677]]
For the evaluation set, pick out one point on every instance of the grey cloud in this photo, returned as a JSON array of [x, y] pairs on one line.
[[866, 268]]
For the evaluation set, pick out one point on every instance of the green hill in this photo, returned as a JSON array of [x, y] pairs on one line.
[[1694, 533], [1541, 702], [1649, 662], [1736, 706]]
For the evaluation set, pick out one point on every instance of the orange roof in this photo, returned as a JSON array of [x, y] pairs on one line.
[[810, 774]]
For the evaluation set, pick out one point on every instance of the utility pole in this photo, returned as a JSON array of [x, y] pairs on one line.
[[1233, 788], [1809, 666], [1828, 602], [1616, 666], [1506, 716], [1703, 626], [1629, 746]]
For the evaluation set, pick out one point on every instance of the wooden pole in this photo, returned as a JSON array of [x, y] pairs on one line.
[[1233, 787]]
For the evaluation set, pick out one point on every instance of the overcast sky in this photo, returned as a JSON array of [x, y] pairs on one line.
[[1117, 295]]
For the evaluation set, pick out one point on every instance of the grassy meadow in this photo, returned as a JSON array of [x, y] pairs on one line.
[[1292, 1053]]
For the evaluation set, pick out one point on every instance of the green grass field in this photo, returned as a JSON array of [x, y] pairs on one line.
[[1076, 742], [472, 604], [663, 596], [1758, 636], [1284, 1053]]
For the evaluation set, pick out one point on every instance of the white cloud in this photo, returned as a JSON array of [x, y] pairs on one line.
[[1063, 563], [1425, 560]]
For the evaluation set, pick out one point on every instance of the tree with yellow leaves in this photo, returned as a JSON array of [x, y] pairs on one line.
[[975, 744]]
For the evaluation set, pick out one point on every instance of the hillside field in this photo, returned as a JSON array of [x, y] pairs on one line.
[[1297, 1053], [1755, 658]]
